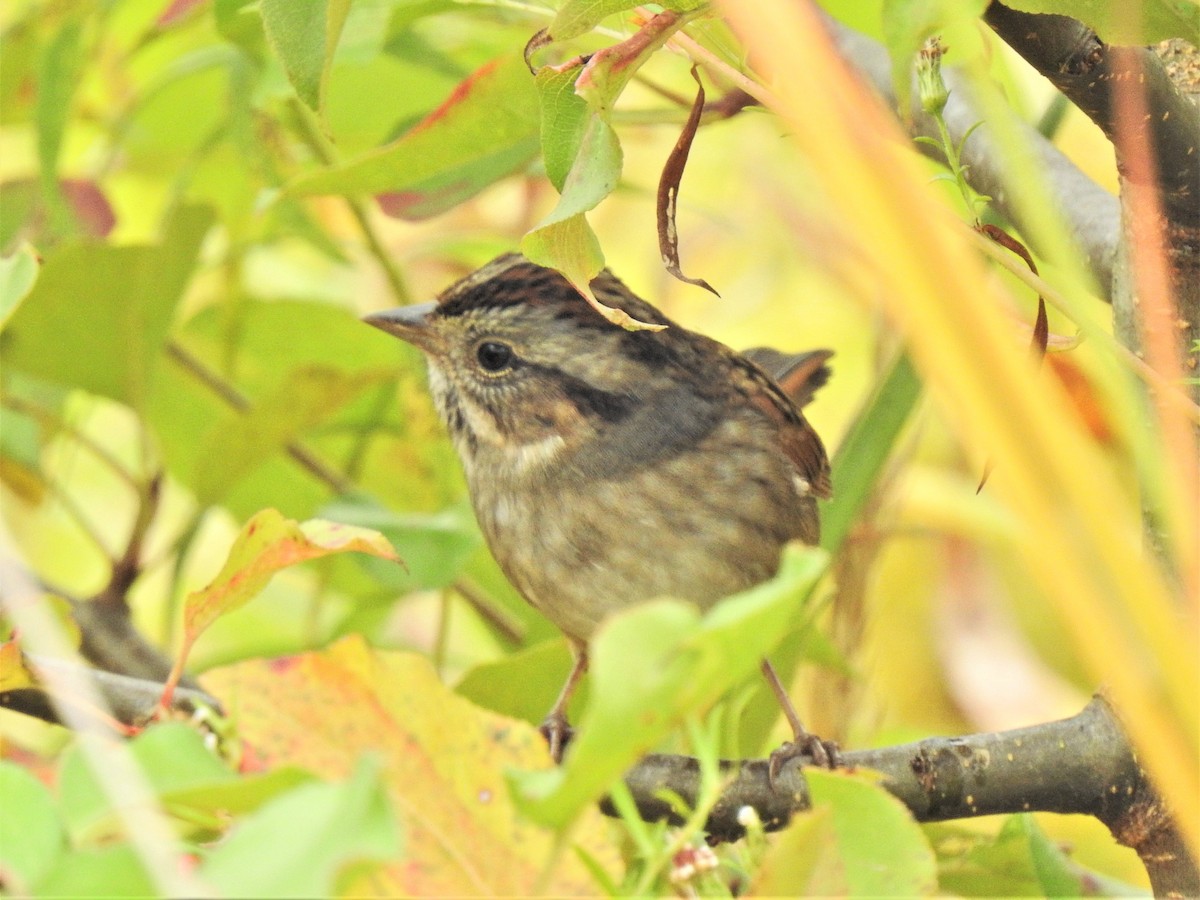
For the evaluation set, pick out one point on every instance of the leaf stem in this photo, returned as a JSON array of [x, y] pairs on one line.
[[1016, 267], [234, 398], [311, 134], [47, 417], [695, 51]]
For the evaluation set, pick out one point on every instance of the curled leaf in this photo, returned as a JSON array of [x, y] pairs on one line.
[[668, 191], [267, 543], [533, 45], [1041, 324]]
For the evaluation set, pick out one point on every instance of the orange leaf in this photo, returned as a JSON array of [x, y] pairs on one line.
[[444, 759]]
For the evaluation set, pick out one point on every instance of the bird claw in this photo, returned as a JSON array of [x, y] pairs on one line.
[[558, 733], [824, 755]]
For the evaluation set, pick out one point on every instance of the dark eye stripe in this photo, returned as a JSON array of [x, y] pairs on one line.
[[610, 406]]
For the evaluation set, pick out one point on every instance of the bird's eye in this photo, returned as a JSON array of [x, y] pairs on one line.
[[494, 356]]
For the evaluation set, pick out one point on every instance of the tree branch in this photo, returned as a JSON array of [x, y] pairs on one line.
[[130, 701], [1083, 764], [1091, 213], [1085, 69]]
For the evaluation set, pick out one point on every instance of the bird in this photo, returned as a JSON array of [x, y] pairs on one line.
[[609, 466]]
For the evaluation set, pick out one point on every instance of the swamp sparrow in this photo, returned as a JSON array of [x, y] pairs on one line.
[[608, 467]]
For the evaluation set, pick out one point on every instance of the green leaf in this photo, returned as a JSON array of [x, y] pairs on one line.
[[485, 130], [652, 667], [241, 442], [17, 276], [20, 67], [434, 546], [1154, 21], [881, 847], [111, 871], [253, 345], [523, 684], [241, 23], [858, 840], [570, 246], [188, 779], [58, 76], [564, 113], [98, 316], [865, 448], [304, 37], [578, 16], [1057, 875], [593, 175], [31, 836], [581, 149], [1020, 860], [299, 844], [21, 456]]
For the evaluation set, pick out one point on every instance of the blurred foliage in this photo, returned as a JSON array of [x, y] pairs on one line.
[[198, 199]]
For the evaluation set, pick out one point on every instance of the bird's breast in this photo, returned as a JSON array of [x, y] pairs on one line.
[[581, 544]]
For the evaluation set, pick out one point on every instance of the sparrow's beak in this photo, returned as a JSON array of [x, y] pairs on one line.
[[409, 323]]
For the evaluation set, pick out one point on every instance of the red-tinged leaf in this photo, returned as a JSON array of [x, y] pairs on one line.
[[267, 543], [177, 11], [485, 130], [93, 212], [444, 766], [87, 203], [668, 191], [607, 71]]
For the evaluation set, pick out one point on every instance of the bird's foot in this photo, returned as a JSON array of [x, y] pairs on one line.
[[558, 733], [824, 754]]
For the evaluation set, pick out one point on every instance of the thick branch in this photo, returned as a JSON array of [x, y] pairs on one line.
[[1086, 70], [1092, 214], [1083, 764], [130, 701]]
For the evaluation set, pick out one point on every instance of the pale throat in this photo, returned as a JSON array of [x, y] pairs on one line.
[[522, 455]]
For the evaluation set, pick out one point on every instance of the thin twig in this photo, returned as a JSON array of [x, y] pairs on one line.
[[234, 398], [1169, 391], [316, 142], [502, 621], [695, 51], [76, 514], [47, 417]]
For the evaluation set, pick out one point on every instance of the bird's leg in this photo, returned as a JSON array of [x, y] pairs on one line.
[[803, 743], [555, 728]]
